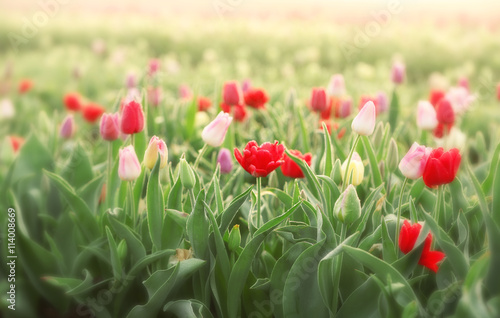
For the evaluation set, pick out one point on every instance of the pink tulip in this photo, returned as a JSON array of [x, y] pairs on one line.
[[319, 101], [460, 99], [345, 107], [382, 103], [154, 66], [426, 116], [225, 160], [110, 126], [232, 94], [215, 132], [246, 85], [364, 123], [129, 167], [413, 163], [131, 81], [464, 82], [398, 72], [67, 127], [185, 92], [336, 87]]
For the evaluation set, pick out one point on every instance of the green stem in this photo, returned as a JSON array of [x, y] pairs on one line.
[[132, 140], [200, 155], [191, 196], [259, 185], [438, 204], [108, 184], [398, 226], [338, 267], [344, 184], [130, 191]]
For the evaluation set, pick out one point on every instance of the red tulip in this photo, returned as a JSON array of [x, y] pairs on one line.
[[441, 167], [319, 101], [16, 142], [444, 112], [256, 98], [260, 161], [239, 112], [442, 130], [231, 93], [72, 101], [435, 96], [132, 118], [92, 112], [25, 85], [204, 103], [290, 168], [408, 238]]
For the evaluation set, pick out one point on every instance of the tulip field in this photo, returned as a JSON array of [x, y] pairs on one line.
[[206, 171]]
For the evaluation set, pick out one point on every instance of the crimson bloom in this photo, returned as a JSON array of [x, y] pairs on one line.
[[290, 168], [132, 118], [204, 103], [256, 98], [319, 100], [16, 142], [92, 112], [442, 130], [441, 167], [408, 238], [239, 112], [72, 101], [24, 86], [444, 112], [260, 161], [435, 96]]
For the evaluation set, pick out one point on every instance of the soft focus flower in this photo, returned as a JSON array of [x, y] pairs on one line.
[[498, 91], [364, 123], [454, 139], [356, 170], [215, 132], [185, 92], [441, 130], [16, 142], [464, 82], [68, 127], [110, 126], [225, 161], [382, 103], [153, 67], [407, 239], [290, 168], [92, 112], [426, 116], [204, 103], [246, 85], [347, 208], [129, 167], [435, 96], [345, 108], [441, 167], [132, 118], [256, 98], [332, 105], [259, 161], [231, 94], [365, 99], [25, 85], [156, 146], [413, 163], [336, 87], [319, 101], [72, 101], [239, 112], [460, 99], [154, 96], [444, 112], [131, 81], [7, 110], [398, 72]]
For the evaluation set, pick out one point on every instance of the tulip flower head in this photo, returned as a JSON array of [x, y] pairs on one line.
[[92, 112], [413, 163], [110, 126], [442, 167], [68, 127], [347, 208], [319, 101], [460, 99], [16, 142], [215, 132], [225, 161], [72, 101], [25, 85], [204, 103], [336, 87], [132, 118], [131, 81], [231, 94], [261, 160], [382, 103], [185, 92], [239, 112], [398, 72], [256, 98], [435, 96], [246, 85], [290, 168], [426, 116], [356, 170], [129, 167], [156, 146], [364, 123], [345, 108], [153, 67]]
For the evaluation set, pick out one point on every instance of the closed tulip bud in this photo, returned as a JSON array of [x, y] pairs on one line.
[[129, 167], [378, 135], [392, 158], [364, 123], [336, 87], [156, 146], [246, 85], [426, 116], [185, 92], [356, 170], [234, 239], [319, 101], [132, 118], [131, 81], [154, 66], [215, 132], [382, 103], [232, 94], [337, 172], [347, 208], [345, 107], [122, 250], [188, 178], [444, 112], [413, 163], [225, 161], [398, 72], [110, 126], [67, 127]]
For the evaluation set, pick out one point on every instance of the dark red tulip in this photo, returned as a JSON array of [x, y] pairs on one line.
[[92, 112], [290, 168], [319, 100], [72, 101], [260, 161], [441, 167], [256, 98], [435, 96], [204, 103], [132, 118], [238, 112], [444, 112]]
